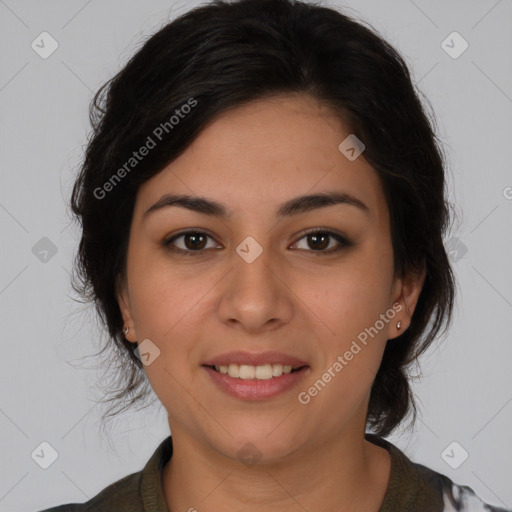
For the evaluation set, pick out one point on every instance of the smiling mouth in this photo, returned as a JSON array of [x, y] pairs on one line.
[[251, 372]]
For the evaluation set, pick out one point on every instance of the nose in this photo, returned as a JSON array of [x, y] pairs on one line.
[[255, 296]]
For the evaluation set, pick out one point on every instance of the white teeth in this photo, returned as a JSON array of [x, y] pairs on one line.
[[248, 372], [277, 369], [263, 372]]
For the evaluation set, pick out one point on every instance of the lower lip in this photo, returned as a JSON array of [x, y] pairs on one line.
[[254, 389]]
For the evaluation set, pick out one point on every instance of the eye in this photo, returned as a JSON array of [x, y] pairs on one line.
[[319, 241], [193, 242]]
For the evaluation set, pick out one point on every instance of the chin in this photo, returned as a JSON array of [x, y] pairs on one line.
[[269, 442]]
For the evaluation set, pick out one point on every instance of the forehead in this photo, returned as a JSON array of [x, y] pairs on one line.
[[260, 154]]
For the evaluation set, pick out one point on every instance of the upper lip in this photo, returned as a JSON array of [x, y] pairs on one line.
[[255, 359]]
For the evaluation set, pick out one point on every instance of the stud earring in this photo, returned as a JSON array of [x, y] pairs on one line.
[[398, 325], [126, 331]]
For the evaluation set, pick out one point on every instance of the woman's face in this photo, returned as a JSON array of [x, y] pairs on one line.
[[255, 288]]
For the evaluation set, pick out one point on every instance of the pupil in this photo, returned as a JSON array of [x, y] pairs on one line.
[[315, 238], [195, 238]]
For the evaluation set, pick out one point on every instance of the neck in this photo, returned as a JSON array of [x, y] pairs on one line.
[[344, 473]]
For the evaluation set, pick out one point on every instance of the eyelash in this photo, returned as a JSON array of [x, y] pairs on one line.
[[339, 238]]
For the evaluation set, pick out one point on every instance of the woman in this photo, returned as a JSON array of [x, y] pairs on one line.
[[263, 209]]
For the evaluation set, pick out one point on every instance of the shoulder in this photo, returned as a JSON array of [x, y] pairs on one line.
[[462, 498], [455, 497], [413, 486], [135, 492]]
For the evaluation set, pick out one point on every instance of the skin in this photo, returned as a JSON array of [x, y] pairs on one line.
[[291, 298]]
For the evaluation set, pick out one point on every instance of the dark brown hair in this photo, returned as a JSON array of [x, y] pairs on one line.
[[225, 54]]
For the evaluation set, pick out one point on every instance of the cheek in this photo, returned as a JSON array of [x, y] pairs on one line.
[[165, 305], [162, 292], [351, 300], [349, 297]]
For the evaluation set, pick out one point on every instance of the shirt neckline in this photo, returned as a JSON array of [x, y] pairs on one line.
[[400, 493], [402, 486]]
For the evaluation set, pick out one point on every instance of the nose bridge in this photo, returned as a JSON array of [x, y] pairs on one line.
[[254, 296], [252, 277]]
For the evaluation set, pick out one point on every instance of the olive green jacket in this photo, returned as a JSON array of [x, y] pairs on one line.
[[412, 488]]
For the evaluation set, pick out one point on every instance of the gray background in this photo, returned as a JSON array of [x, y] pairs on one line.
[[47, 394]]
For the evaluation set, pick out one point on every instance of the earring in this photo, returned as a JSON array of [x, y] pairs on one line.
[[126, 331], [398, 325]]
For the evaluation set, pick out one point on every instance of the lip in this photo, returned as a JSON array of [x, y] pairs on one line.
[[255, 359], [254, 389]]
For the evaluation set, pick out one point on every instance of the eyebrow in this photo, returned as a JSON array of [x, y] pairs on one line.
[[295, 206]]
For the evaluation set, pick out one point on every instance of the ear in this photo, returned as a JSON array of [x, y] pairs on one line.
[[123, 299], [406, 292]]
